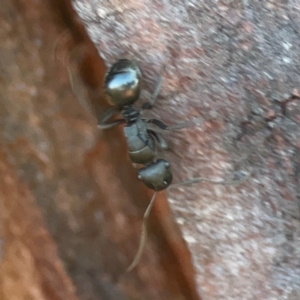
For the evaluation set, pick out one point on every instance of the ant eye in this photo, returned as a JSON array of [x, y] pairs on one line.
[[165, 182]]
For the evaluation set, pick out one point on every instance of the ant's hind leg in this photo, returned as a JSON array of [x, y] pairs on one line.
[[235, 181], [103, 124], [143, 234]]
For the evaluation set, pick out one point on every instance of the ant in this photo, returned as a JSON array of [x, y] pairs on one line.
[[123, 87]]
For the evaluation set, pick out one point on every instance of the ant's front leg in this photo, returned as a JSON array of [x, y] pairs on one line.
[[237, 180], [104, 124], [149, 105]]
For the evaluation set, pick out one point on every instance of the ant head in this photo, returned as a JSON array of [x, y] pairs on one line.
[[156, 176], [123, 83]]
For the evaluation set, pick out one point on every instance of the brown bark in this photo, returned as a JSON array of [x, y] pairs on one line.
[[30, 267], [81, 179]]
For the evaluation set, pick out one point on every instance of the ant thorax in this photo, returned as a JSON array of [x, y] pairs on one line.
[[130, 114]]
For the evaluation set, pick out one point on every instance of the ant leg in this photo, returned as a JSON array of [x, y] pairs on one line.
[[149, 105], [234, 182], [160, 126], [103, 124], [158, 123], [161, 141], [156, 90], [143, 235], [186, 124]]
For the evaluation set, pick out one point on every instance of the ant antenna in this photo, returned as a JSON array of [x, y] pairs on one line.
[[62, 36], [88, 107], [68, 63], [234, 182], [143, 235]]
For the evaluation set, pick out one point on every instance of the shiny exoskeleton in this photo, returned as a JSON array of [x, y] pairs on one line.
[[123, 87]]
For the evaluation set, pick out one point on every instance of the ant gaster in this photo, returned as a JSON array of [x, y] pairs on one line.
[[123, 87]]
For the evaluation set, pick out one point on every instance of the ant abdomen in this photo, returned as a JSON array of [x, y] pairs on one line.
[[156, 176]]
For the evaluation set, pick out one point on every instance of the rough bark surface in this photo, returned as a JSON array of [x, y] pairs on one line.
[[53, 157], [30, 267], [236, 64]]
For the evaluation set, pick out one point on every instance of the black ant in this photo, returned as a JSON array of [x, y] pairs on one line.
[[123, 87]]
